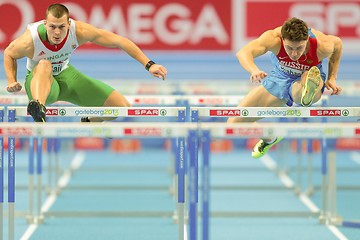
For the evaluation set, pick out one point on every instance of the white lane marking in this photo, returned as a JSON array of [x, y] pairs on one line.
[[271, 165], [355, 157], [50, 200], [286, 180], [269, 162], [185, 232], [29, 232], [337, 232], [307, 202]]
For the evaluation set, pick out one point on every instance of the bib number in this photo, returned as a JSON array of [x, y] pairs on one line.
[[56, 68]]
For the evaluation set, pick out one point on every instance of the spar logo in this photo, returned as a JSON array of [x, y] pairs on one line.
[[62, 112], [146, 100], [357, 131], [252, 132], [228, 112], [211, 101], [143, 131], [50, 112], [225, 112], [329, 113], [17, 131], [6, 100], [147, 112]]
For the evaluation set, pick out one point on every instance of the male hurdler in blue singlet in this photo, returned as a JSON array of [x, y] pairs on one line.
[[297, 52]]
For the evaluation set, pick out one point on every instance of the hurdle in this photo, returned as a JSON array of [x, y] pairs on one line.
[[59, 112], [197, 113], [123, 130], [350, 87], [135, 100], [171, 100], [300, 130]]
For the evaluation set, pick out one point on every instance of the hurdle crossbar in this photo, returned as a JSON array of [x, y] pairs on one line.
[[109, 129], [194, 100], [220, 130], [276, 112], [194, 87], [123, 130], [101, 130], [105, 111]]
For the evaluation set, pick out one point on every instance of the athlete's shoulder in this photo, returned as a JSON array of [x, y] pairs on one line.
[[273, 33], [25, 40], [83, 27], [326, 44], [35, 24], [22, 46], [271, 39]]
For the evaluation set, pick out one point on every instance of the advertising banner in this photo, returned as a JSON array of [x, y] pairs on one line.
[[210, 25], [335, 17], [158, 24]]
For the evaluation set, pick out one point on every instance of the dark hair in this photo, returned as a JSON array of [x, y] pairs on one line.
[[57, 10], [295, 30]]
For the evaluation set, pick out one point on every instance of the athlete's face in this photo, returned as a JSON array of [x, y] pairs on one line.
[[295, 49], [56, 28]]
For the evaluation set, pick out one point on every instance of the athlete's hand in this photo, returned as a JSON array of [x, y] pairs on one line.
[[330, 84], [257, 76], [14, 87], [158, 71]]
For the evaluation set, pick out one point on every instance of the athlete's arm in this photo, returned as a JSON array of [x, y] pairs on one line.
[[334, 62], [18, 48], [330, 47], [88, 33], [268, 41]]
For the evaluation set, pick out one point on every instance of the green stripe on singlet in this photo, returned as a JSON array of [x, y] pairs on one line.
[[42, 32]]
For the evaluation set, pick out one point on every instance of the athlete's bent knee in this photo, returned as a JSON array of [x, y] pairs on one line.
[[43, 63]]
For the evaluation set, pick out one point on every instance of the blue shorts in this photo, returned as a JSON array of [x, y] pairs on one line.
[[280, 85]]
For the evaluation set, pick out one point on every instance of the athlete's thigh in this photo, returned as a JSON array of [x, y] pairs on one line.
[[82, 90], [116, 99], [54, 90]]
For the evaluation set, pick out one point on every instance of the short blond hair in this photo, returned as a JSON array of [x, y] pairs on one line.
[[57, 10]]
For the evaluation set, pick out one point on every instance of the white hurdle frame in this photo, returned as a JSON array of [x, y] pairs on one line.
[[64, 111], [73, 111], [192, 100], [291, 130], [209, 99], [195, 87], [145, 100], [276, 112], [104, 130], [104, 111], [327, 215]]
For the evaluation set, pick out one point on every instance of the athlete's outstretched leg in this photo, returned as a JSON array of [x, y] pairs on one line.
[[307, 90], [259, 97], [40, 85], [115, 99], [41, 81]]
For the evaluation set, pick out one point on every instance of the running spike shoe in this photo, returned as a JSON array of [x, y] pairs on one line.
[[261, 148], [37, 111], [312, 84], [85, 119]]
